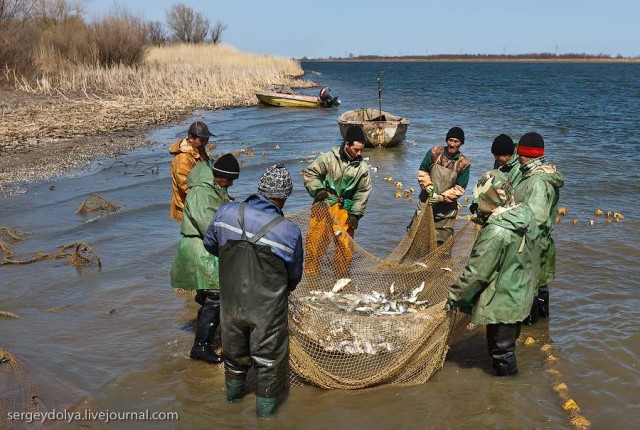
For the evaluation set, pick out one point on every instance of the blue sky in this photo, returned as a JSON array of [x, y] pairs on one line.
[[322, 28]]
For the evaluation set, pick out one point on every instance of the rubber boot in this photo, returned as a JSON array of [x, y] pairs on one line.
[[543, 301], [533, 316], [505, 366], [235, 389], [205, 330], [266, 406]]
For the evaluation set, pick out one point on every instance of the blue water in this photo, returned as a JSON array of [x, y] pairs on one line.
[[121, 344]]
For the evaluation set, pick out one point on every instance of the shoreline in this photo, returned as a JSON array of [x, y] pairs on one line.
[[471, 60]]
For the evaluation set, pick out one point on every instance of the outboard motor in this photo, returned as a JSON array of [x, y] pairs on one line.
[[326, 99]]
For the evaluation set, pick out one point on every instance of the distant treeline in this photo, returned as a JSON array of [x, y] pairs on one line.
[[476, 57]]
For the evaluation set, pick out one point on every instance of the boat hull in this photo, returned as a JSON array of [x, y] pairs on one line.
[[378, 134], [288, 100]]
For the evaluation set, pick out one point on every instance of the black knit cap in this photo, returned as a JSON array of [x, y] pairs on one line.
[[226, 167], [456, 133], [199, 129], [354, 134], [531, 145], [503, 145]]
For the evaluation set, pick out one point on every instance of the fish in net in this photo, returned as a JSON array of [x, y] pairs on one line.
[[96, 203], [362, 321]]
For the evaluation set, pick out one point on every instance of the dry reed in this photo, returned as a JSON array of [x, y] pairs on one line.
[[173, 81]]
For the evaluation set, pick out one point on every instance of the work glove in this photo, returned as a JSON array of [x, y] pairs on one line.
[[430, 190], [452, 193], [321, 195], [352, 221], [473, 208], [424, 180]]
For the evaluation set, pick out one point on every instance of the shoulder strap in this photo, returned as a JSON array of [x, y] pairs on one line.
[[266, 229], [241, 220]]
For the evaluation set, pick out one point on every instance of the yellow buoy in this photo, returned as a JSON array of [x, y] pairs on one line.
[[398, 195], [557, 220], [574, 221], [598, 212], [466, 199], [591, 222], [571, 406], [563, 211], [580, 422], [617, 215], [560, 387]]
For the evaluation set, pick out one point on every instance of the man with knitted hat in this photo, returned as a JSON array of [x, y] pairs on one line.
[[496, 287], [261, 260], [340, 180], [194, 269], [539, 188], [506, 159], [187, 152], [443, 176]]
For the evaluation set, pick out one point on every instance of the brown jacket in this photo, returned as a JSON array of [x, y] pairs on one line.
[[185, 158]]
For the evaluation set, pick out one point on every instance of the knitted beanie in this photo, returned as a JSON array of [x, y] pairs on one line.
[[226, 167], [456, 133], [531, 145], [502, 145], [276, 182], [354, 134]]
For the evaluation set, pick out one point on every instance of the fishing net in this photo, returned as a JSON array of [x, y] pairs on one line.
[[383, 322], [96, 203], [78, 254], [17, 393]]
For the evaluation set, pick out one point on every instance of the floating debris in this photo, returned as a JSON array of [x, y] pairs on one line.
[[7, 314]]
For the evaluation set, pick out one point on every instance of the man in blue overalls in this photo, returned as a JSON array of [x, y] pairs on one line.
[[261, 260]]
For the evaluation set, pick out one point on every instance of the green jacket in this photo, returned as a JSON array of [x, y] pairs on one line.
[[348, 180], [512, 169], [498, 283], [540, 190], [194, 268]]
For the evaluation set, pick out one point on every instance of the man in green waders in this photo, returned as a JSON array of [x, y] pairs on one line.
[[539, 188], [497, 285], [443, 176], [261, 261], [194, 268]]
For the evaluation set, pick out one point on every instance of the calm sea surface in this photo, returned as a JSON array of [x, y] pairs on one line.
[[123, 343]]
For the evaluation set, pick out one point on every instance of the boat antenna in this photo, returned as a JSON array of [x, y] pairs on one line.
[[379, 96]]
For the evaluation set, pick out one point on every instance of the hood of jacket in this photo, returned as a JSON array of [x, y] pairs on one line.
[[548, 172], [183, 146], [201, 175]]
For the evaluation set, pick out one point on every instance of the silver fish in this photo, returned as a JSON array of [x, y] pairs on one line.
[[340, 284]]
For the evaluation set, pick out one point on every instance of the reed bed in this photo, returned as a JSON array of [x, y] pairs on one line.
[[173, 81]]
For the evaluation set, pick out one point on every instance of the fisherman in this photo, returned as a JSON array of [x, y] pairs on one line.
[[261, 260], [539, 188], [506, 159], [340, 178], [194, 268], [497, 285], [187, 152], [443, 176]]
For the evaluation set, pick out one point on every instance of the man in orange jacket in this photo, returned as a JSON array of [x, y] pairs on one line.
[[187, 152]]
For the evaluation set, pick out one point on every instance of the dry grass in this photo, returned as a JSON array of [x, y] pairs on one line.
[[172, 81]]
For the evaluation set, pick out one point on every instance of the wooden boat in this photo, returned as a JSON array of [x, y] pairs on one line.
[[282, 95], [381, 129]]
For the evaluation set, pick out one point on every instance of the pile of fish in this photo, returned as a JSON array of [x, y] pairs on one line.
[[374, 303]]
